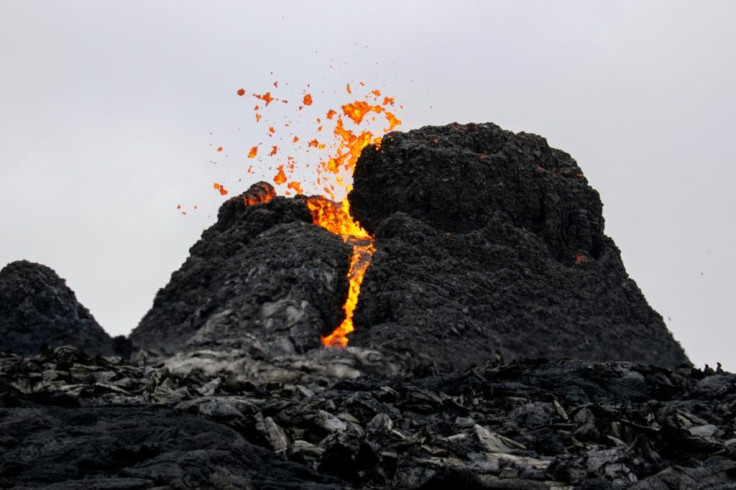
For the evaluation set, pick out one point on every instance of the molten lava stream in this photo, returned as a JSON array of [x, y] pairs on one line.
[[362, 251], [336, 218]]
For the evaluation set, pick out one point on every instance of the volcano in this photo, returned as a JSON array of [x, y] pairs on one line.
[[486, 243], [473, 327]]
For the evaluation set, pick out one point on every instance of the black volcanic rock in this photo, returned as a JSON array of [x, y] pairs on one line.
[[262, 277], [75, 421], [489, 241], [137, 448], [38, 309]]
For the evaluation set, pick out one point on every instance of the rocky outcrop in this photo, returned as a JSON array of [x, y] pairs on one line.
[[263, 278], [492, 242], [38, 309], [72, 421]]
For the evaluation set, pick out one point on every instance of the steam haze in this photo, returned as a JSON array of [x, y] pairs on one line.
[[111, 113]]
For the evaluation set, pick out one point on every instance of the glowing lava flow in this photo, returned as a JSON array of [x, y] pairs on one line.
[[331, 176], [336, 218]]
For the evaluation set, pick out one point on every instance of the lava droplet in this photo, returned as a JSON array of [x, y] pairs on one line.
[[280, 177]]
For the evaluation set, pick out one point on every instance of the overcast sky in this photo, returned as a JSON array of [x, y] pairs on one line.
[[111, 112]]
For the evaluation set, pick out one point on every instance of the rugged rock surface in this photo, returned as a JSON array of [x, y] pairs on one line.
[[37, 308], [489, 241], [263, 276], [72, 421]]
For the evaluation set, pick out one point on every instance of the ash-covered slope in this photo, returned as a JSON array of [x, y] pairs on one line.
[[263, 278], [492, 241], [37, 308]]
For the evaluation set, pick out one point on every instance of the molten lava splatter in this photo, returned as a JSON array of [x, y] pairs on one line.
[[296, 187], [220, 188], [280, 177], [349, 135], [265, 97]]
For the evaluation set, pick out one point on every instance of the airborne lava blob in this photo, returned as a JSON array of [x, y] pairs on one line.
[[356, 125]]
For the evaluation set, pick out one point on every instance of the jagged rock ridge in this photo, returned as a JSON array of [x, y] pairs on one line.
[[37, 308]]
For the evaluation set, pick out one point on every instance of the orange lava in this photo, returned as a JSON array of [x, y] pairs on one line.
[[296, 187], [280, 177], [265, 97], [220, 188], [261, 195], [336, 218], [353, 127]]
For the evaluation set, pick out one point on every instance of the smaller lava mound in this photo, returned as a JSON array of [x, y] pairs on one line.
[[263, 279], [492, 242], [38, 309]]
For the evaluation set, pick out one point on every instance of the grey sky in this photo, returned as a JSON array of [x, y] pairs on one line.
[[106, 110]]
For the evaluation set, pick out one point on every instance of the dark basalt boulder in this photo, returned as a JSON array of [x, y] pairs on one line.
[[38, 309], [492, 242], [263, 277]]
